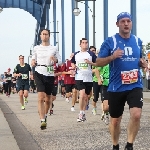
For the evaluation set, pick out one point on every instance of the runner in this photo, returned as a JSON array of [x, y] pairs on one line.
[[8, 78], [124, 53], [13, 85], [69, 81], [57, 72], [103, 79], [44, 56], [21, 72], [83, 76]]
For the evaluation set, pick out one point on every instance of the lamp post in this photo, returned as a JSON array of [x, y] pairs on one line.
[[1, 9], [77, 11]]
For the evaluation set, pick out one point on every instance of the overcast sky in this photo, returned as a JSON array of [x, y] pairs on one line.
[[17, 28]]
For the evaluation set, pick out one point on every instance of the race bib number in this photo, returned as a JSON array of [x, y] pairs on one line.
[[83, 66], [129, 77], [24, 76], [50, 69], [8, 78]]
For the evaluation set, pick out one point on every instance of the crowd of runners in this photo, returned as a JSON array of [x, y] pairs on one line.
[[112, 74]]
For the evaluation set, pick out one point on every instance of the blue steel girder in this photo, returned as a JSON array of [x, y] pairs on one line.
[[41, 1], [33, 8]]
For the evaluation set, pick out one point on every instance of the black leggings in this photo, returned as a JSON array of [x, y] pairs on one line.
[[8, 88]]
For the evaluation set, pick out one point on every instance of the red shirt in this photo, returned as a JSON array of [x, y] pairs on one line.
[[69, 79], [56, 70]]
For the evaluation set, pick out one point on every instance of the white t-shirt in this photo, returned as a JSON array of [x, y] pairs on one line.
[[84, 70], [42, 55]]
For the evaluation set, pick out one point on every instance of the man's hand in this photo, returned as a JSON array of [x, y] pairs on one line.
[[33, 63], [118, 53], [87, 61], [143, 63], [54, 59]]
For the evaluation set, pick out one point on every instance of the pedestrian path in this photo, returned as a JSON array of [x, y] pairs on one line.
[[7, 140], [63, 131]]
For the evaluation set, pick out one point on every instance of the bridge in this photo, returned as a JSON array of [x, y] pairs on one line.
[[39, 9]]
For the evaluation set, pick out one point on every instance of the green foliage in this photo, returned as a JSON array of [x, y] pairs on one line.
[[147, 46]]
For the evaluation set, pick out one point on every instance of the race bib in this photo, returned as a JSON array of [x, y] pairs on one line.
[[24, 76], [8, 78], [129, 77], [83, 66], [50, 69]]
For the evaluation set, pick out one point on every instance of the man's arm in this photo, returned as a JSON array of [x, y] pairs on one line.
[[16, 74], [97, 74], [73, 62], [34, 57], [105, 61]]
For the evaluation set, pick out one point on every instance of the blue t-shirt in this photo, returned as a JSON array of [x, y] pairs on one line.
[[125, 71]]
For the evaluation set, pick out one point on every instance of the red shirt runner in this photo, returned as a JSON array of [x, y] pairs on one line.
[[69, 79]]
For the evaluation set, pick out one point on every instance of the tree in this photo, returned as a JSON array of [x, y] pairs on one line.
[[143, 50], [148, 46]]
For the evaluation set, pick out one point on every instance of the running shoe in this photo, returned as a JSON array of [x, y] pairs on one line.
[[80, 118], [43, 125], [51, 112], [22, 107], [94, 112], [72, 109]]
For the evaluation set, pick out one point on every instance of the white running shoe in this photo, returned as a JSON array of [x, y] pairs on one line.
[[72, 109], [67, 100]]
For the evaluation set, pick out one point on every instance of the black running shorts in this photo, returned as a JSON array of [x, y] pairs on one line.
[[55, 88], [44, 83], [117, 100], [69, 87], [104, 93], [84, 85]]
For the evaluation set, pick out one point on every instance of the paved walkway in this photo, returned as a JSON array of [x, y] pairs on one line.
[[63, 132]]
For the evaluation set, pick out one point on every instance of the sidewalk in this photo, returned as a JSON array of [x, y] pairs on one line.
[[64, 133], [7, 141]]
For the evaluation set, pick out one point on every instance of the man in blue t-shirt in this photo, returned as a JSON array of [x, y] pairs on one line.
[[123, 52]]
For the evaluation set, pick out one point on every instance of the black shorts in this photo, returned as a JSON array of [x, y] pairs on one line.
[[70, 87], [96, 91], [55, 88], [117, 101], [44, 83], [104, 93], [13, 85], [84, 85], [23, 87], [62, 83]]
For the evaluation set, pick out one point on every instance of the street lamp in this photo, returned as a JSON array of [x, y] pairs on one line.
[[1, 9], [77, 11]]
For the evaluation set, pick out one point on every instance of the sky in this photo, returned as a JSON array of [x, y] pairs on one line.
[[17, 28]]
